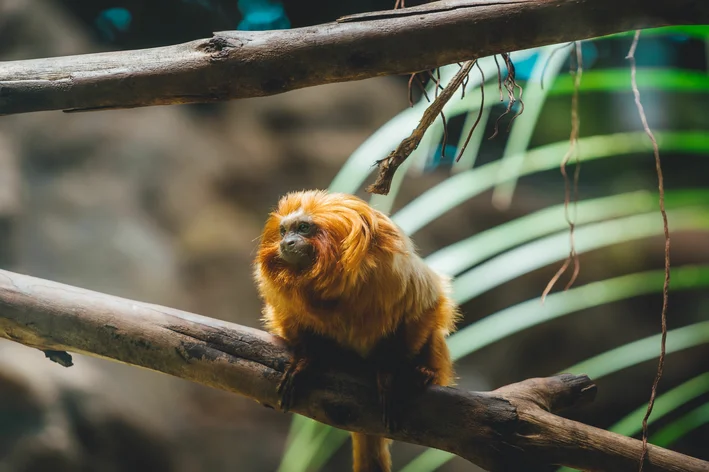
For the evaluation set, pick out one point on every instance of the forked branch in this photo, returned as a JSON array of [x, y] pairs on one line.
[[512, 428]]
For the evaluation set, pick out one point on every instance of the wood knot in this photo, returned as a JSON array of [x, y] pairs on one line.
[[218, 47]]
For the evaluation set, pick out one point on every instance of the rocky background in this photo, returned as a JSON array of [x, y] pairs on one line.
[[164, 205]]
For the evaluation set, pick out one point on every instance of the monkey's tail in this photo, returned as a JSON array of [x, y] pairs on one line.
[[370, 453]]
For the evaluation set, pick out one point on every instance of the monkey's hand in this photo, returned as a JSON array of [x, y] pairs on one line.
[[292, 377], [310, 352]]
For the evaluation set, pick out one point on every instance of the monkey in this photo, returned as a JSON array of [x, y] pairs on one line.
[[333, 271]]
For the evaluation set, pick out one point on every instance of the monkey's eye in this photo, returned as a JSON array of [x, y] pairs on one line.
[[304, 228], [282, 230]]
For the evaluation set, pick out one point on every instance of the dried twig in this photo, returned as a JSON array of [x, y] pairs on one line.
[[666, 227], [465, 83], [510, 84], [419, 82], [445, 135], [480, 112], [437, 79], [499, 77], [388, 165], [411, 90]]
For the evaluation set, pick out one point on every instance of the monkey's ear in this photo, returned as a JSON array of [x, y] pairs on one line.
[[386, 234], [270, 234], [364, 226]]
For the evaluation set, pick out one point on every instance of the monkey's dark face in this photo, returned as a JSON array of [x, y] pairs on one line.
[[296, 247]]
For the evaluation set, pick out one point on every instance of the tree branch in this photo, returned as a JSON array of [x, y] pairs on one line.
[[511, 428], [239, 64]]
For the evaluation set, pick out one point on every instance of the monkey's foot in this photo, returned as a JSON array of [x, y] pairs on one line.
[[290, 380]]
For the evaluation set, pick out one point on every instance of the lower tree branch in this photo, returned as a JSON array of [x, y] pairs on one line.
[[239, 64], [512, 428]]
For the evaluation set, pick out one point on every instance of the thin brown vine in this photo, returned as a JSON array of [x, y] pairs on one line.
[[573, 257], [666, 228]]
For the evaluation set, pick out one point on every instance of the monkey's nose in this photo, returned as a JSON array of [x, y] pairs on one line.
[[295, 251], [288, 243]]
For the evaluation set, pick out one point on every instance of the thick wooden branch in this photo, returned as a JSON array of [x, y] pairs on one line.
[[512, 428], [241, 64]]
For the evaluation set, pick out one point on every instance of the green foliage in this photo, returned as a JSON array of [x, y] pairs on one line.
[[681, 426], [530, 313], [665, 404], [479, 247], [490, 258], [617, 80], [463, 186]]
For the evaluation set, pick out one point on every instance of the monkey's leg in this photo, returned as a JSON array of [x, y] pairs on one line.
[[433, 362], [310, 351], [403, 372], [394, 369]]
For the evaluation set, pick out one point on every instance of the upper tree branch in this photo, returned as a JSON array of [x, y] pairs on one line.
[[511, 428], [241, 64]]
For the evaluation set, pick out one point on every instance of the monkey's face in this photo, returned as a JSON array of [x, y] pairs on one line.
[[296, 247], [321, 241]]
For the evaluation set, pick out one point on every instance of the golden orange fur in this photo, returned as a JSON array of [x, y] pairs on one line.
[[365, 283]]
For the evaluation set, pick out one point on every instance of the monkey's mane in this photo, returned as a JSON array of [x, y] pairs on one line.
[[351, 239]]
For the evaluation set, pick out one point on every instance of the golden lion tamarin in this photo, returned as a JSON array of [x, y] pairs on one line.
[[330, 267]]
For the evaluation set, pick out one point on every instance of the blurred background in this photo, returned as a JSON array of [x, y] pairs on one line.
[[165, 205]]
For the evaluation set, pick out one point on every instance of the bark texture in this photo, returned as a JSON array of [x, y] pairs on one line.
[[239, 64]]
